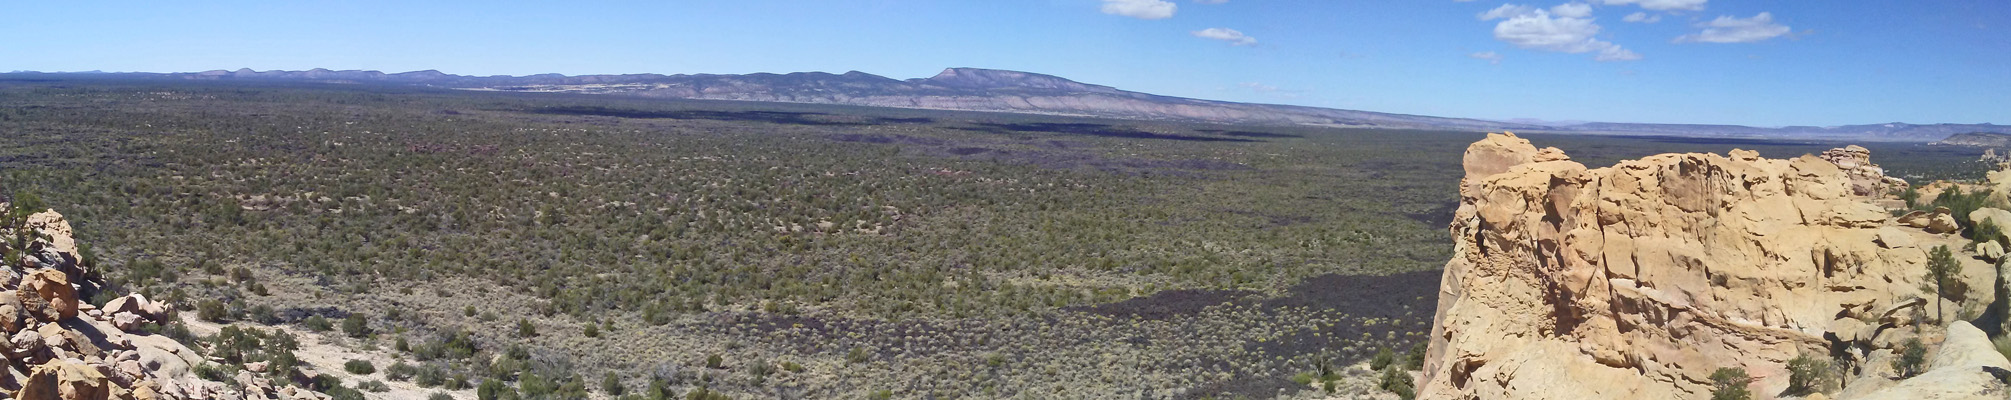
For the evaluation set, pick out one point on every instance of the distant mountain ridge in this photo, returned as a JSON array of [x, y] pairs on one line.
[[977, 89], [1976, 139]]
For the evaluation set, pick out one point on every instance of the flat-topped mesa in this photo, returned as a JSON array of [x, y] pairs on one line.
[[1641, 279]]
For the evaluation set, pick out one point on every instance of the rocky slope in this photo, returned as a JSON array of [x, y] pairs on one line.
[[1641, 279], [60, 347]]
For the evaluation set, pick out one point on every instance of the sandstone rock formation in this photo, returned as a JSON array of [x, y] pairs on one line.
[[1866, 179], [1640, 279], [58, 347]]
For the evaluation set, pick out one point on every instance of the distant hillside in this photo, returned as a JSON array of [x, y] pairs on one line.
[[1977, 139], [976, 89]]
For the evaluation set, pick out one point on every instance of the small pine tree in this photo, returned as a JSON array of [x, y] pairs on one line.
[[1730, 384], [1912, 357], [1808, 374], [1942, 270]]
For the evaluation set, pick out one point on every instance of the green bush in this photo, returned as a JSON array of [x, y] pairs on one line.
[[359, 367], [494, 389], [211, 310], [715, 361], [1382, 359], [1808, 374], [1912, 357], [1730, 384], [856, 356], [440, 396], [356, 325], [1987, 231], [343, 393], [316, 324], [1414, 360], [400, 371], [374, 387], [611, 385], [1395, 380], [525, 329]]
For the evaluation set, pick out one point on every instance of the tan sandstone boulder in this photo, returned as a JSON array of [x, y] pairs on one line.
[[64, 380], [53, 288], [1640, 279]]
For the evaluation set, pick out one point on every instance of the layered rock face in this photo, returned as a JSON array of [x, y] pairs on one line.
[[1641, 279]]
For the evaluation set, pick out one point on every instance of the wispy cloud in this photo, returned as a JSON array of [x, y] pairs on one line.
[[1566, 28], [1662, 5], [1232, 36], [1141, 9], [1642, 17], [1491, 57], [1728, 29]]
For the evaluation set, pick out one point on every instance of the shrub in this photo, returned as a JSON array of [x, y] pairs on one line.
[[592, 331], [1808, 374], [1395, 380], [493, 389], [343, 393], [1414, 360], [795, 368], [1730, 384], [714, 361], [356, 325], [374, 387], [440, 396], [1912, 357], [400, 372], [611, 385], [210, 310], [1987, 231], [1382, 359], [856, 356], [430, 376], [316, 324], [525, 329], [359, 367]]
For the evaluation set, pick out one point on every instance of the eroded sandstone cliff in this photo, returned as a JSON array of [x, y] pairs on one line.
[[1641, 279]]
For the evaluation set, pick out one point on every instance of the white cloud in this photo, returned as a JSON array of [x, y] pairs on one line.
[[1505, 11], [1572, 10], [1141, 9], [1227, 35], [1491, 57], [1642, 17], [1258, 87], [1566, 28], [1662, 5], [1727, 29]]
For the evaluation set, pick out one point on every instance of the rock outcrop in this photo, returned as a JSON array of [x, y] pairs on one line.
[[1641, 279], [58, 347], [1866, 179]]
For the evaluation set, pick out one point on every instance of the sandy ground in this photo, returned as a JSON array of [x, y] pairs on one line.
[[325, 353]]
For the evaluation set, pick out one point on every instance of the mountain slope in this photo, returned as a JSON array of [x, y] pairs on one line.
[[977, 89]]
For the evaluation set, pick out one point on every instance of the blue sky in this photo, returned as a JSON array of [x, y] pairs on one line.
[[1766, 63]]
